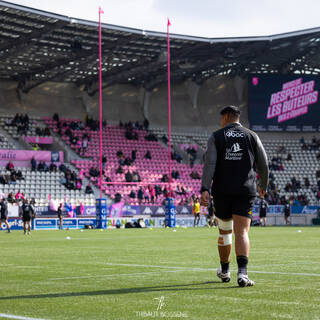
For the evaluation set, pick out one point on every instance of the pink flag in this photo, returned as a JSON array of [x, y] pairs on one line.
[[169, 24], [100, 10]]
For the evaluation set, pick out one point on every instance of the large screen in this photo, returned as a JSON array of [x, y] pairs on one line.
[[284, 103]]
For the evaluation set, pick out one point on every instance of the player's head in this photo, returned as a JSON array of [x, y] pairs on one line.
[[229, 114]]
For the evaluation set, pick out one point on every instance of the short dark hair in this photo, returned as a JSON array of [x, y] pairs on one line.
[[235, 111]]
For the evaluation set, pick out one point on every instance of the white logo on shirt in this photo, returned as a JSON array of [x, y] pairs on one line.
[[236, 147], [234, 134]]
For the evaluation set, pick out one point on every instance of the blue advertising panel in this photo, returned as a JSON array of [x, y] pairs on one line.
[[45, 224], [284, 103], [15, 224], [86, 222], [70, 223]]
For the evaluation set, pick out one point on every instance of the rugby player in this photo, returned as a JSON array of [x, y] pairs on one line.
[[263, 211], [287, 212], [196, 212], [232, 155], [60, 216], [27, 214], [4, 213]]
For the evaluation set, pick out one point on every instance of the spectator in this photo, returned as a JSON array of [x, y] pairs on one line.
[[152, 192], [11, 198], [146, 124], [3, 179], [56, 117], [120, 170], [129, 176], [175, 174], [93, 172], [33, 164], [79, 184], [133, 155], [19, 195], [165, 178], [306, 182], [289, 157], [10, 166], [89, 189], [148, 155], [140, 195], [63, 180], [195, 175], [136, 177], [146, 195], [104, 161], [132, 194], [53, 167]]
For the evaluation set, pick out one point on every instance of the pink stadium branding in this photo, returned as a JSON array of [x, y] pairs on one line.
[[293, 101]]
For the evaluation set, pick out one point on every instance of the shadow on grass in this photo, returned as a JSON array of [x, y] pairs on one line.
[[177, 287]]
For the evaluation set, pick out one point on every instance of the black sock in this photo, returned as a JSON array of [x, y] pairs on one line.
[[242, 262], [224, 267]]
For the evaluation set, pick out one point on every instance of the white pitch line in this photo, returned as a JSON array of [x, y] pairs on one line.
[[111, 275], [163, 267], [212, 269], [11, 316]]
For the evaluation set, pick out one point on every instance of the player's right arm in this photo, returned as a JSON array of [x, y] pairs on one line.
[[210, 161]]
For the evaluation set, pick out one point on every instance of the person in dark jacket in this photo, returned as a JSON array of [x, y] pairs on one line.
[[4, 213], [233, 156]]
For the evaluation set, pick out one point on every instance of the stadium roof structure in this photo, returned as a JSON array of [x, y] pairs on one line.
[[38, 46]]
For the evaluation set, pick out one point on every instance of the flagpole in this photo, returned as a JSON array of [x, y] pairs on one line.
[[169, 106], [100, 99]]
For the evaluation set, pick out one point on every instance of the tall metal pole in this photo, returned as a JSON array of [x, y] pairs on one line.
[[169, 107], [100, 99]]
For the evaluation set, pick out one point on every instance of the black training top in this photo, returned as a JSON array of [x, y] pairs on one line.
[[263, 205], [232, 155]]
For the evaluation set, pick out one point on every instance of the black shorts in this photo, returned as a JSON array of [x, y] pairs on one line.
[[26, 217], [226, 206], [3, 217], [262, 214]]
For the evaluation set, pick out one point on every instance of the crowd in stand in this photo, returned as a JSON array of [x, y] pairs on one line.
[[41, 166], [70, 178], [21, 122], [13, 177], [294, 185], [43, 132]]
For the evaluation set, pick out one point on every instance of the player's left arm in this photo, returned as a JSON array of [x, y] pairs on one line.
[[261, 160]]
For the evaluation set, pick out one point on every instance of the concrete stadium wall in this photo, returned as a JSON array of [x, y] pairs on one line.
[[193, 107], [120, 102], [198, 107], [43, 100]]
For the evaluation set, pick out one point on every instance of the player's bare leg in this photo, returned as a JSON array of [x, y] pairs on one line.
[[24, 227], [242, 247], [224, 248], [7, 225], [29, 227]]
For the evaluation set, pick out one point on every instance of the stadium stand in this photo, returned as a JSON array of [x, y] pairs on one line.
[[5, 144], [151, 170], [30, 127]]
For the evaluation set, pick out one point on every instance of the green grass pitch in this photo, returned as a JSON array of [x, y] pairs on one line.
[[157, 274]]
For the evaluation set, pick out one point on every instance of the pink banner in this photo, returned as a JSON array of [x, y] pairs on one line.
[[26, 155], [39, 140]]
